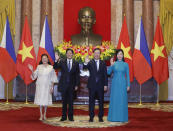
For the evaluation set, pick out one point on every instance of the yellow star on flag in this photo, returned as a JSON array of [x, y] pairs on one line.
[[157, 51], [126, 51], [25, 52]]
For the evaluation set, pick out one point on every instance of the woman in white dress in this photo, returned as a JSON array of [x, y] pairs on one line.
[[46, 77]]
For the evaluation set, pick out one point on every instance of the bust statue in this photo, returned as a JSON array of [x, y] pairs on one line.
[[86, 18]]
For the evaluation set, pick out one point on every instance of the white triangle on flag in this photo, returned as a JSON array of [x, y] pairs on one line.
[[137, 43], [42, 41], [3, 42]]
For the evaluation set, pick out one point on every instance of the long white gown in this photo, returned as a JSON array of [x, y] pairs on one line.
[[170, 80], [45, 76]]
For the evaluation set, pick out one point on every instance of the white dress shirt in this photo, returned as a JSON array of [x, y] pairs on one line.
[[70, 63], [98, 62]]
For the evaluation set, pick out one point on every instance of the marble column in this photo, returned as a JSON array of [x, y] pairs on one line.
[[128, 10], [26, 9], [113, 21], [46, 9], [147, 17]]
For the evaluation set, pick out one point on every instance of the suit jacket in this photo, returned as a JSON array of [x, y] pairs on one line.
[[68, 79], [97, 79]]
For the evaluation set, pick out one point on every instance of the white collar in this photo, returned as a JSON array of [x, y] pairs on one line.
[[69, 60]]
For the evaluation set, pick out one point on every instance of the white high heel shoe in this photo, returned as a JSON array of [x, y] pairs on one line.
[[41, 118]]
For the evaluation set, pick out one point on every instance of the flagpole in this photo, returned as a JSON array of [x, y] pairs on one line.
[[26, 99], [140, 103], [158, 87], [7, 95]]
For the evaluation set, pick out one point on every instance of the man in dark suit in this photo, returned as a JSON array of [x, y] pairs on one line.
[[69, 82], [97, 83]]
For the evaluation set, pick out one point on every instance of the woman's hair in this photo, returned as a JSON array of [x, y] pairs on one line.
[[42, 57], [117, 51]]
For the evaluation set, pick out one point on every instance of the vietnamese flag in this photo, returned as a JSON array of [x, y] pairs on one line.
[[159, 57], [26, 54], [124, 44]]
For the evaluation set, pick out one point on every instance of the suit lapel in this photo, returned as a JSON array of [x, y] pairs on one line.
[[73, 63], [95, 67], [66, 64], [100, 65]]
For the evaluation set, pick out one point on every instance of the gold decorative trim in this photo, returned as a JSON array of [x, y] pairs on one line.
[[81, 121], [165, 107], [7, 107]]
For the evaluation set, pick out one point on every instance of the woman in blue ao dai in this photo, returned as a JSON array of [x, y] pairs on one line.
[[118, 106]]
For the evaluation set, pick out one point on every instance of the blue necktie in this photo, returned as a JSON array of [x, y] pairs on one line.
[[69, 66], [97, 79], [97, 65]]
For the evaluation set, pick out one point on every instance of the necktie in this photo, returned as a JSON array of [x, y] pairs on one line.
[[97, 65], [97, 70], [69, 66]]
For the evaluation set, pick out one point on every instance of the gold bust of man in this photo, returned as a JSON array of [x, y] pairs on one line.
[[86, 18]]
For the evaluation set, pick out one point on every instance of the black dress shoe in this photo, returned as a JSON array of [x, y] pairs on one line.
[[91, 120], [63, 119], [71, 119], [100, 119]]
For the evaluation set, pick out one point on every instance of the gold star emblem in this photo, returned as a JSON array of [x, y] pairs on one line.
[[126, 51], [25, 52], [157, 51]]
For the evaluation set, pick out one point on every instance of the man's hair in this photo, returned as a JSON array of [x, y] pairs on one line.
[[97, 49], [69, 49]]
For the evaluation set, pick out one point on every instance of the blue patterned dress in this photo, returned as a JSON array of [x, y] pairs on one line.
[[118, 106]]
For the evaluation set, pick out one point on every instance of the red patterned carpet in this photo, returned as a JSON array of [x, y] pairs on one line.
[[17, 118]]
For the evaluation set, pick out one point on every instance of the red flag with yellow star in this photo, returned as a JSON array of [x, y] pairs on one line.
[[26, 54], [124, 44], [159, 57]]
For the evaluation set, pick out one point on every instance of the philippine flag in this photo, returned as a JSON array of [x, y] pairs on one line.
[[46, 44], [141, 57], [7, 55]]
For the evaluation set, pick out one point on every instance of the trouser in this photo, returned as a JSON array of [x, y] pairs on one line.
[[92, 96], [67, 99]]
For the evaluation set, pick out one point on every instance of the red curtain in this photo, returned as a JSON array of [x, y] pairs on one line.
[[103, 17]]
